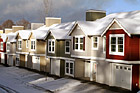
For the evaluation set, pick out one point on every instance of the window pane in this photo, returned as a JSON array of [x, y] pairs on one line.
[[71, 71], [76, 40], [67, 70], [120, 40], [49, 43], [67, 43], [113, 48], [67, 64], [81, 46], [120, 48], [49, 48], [71, 65], [113, 40], [52, 43], [76, 46], [94, 39], [95, 45], [81, 40], [52, 48], [67, 49]]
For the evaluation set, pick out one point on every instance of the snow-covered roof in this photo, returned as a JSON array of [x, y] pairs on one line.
[[98, 26], [61, 31], [24, 34], [4, 37], [11, 37]]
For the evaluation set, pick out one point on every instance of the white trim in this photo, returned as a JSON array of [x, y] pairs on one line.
[[88, 57], [37, 54], [19, 45], [79, 36], [115, 28], [34, 45], [22, 52], [104, 44], [51, 40], [115, 20], [60, 58], [27, 43], [8, 50], [116, 52], [67, 46], [94, 42], [12, 54], [122, 61], [69, 68]]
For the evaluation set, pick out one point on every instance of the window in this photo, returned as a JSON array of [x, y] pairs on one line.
[[79, 43], [33, 45], [104, 44], [8, 47], [27, 44], [67, 47], [1, 45], [69, 68], [19, 44], [95, 41], [51, 45], [116, 44]]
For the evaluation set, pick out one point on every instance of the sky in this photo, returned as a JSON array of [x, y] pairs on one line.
[[68, 10]]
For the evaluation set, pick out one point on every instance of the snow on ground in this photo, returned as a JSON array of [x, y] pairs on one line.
[[24, 81], [58, 84]]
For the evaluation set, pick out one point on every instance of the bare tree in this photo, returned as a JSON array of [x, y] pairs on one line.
[[46, 9], [7, 24], [24, 23]]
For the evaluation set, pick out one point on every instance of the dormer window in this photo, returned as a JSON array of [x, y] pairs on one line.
[[79, 43], [51, 45], [116, 44], [95, 42], [19, 44], [33, 45], [67, 47]]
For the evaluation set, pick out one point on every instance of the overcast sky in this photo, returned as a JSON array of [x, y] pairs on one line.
[[68, 10]]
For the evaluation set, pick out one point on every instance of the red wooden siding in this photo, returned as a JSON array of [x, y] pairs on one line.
[[135, 77], [131, 47]]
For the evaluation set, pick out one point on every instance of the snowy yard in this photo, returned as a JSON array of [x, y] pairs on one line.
[[18, 80]]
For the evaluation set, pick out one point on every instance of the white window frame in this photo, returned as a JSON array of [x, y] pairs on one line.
[[104, 44], [8, 43], [94, 42], [19, 45], [67, 47], [116, 52], [51, 40], [27, 43], [79, 36], [1, 46], [34, 46], [69, 68]]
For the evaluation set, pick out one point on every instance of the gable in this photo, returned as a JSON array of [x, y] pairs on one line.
[[31, 36], [115, 26], [77, 31], [50, 36]]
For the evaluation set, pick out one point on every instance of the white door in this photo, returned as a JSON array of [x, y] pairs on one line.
[[55, 67], [36, 63], [122, 76], [2, 58]]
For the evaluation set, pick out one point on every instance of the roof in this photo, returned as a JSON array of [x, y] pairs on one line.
[[24, 34], [61, 31], [11, 37], [4, 37], [98, 26]]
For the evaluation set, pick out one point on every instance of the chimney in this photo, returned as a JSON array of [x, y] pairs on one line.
[[36, 25], [52, 20], [92, 15], [8, 30], [16, 28]]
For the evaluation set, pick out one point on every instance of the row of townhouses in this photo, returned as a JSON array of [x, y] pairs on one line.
[[104, 49]]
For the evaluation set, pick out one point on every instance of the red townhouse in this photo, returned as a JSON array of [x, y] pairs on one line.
[[123, 52]]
